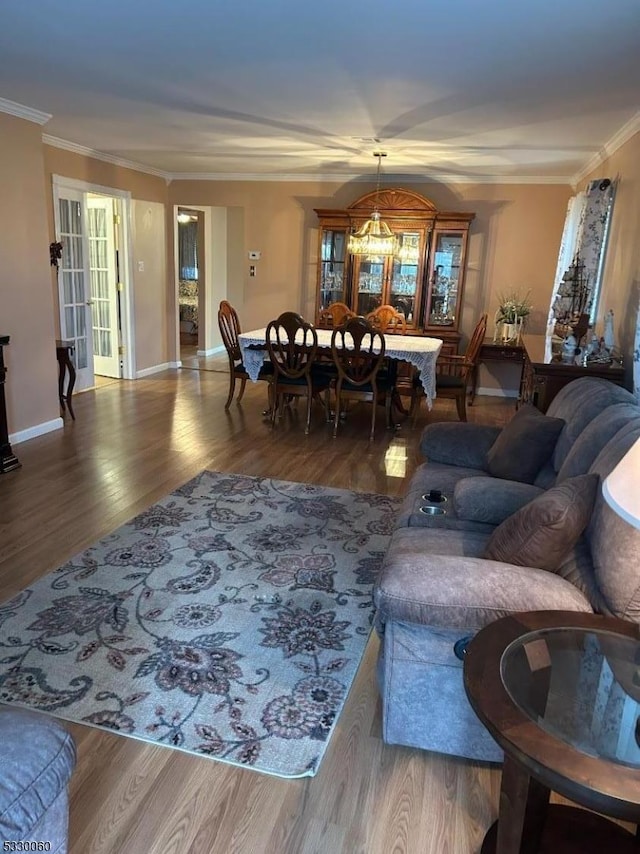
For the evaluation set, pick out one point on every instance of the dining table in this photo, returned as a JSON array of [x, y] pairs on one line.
[[419, 350]]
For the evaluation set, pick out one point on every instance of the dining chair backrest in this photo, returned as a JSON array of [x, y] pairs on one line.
[[292, 343], [358, 351], [388, 319], [475, 342], [335, 314], [229, 324]]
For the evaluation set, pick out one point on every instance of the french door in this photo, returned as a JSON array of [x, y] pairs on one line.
[[73, 281], [104, 286], [87, 282]]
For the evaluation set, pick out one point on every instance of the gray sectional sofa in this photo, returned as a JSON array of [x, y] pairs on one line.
[[438, 587], [37, 758]]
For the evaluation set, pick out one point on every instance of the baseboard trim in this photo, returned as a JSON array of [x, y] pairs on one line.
[[156, 369], [36, 430], [212, 352], [498, 392]]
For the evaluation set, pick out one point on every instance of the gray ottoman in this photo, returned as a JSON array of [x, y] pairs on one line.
[[37, 757]]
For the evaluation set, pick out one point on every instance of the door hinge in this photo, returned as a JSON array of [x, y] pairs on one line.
[[120, 286], [121, 350], [116, 219]]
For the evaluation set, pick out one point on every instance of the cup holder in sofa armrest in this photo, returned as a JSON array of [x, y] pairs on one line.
[[432, 510], [434, 496]]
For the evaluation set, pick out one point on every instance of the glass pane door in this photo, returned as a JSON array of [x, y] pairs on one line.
[[332, 268], [103, 286], [445, 278], [370, 277], [405, 275], [75, 319]]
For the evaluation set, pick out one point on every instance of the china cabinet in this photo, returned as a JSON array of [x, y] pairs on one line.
[[424, 279]]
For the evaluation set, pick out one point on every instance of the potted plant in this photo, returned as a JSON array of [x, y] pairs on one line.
[[510, 316]]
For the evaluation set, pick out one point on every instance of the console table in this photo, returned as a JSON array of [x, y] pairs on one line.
[[8, 460], [64, 351], [540, 380]]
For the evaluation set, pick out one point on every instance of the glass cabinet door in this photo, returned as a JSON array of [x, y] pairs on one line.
[[405, 275], [445, 278], [332, 267], [369, 278]]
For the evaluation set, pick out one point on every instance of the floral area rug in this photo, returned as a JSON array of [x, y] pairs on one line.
[[227, 620]]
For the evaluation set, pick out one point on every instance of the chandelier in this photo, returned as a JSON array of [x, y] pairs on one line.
[[409, 250], [374, 239]]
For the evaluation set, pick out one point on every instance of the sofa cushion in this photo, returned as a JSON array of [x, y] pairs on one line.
[[489, 499], [524, 445], [458, 443], [594, 437], [544, 531], [614, 543], [423, 581], [578, 403], [36, 761]]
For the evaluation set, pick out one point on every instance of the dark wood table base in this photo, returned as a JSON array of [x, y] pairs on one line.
[[8, 460], [570, 830], [63, 354]]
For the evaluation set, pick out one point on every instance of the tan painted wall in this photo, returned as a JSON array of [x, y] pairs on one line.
[[514, 239], [150, 284], [514, 244], [621, 275], [26, 305]]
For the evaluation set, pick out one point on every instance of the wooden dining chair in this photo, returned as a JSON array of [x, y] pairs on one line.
[[387, 319], [334, 315], [292, 343], [229, 325], [358, 351], [454, 373]]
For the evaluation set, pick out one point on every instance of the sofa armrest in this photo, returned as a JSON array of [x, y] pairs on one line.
[[490, 499], [458, 443], [454, 592]]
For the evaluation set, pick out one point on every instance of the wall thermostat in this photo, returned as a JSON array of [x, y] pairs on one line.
[[255, 255]]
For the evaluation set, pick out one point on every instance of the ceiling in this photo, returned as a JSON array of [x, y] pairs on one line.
[[467, 90]]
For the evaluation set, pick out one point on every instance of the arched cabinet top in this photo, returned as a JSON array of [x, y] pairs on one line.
[[393, 199]]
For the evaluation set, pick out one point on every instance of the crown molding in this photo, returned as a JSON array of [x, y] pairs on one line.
[[22, 112], [345, 178], [99, 155], [619, 138]]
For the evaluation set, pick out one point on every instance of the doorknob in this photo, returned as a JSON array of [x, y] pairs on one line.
[[89, 302]]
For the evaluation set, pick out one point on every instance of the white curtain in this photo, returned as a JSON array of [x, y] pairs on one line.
[[585, 232], [568, 248], [594, 229]]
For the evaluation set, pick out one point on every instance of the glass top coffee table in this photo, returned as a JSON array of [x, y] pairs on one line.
[[560, 693]]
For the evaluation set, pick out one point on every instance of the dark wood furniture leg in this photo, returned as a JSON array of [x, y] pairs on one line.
[[65, 364], [8, 460], [523, 808]]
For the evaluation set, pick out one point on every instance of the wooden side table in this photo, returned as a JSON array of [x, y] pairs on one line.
[[558, 691], [542, 380], [491, 351], [8, 460], [64, 351]]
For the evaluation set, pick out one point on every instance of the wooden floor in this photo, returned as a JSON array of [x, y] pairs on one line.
[[132, 443]]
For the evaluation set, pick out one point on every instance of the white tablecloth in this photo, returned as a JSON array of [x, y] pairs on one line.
[[419, 350]]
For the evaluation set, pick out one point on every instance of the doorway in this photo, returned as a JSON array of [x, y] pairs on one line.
[[189, 277], [94, 298]]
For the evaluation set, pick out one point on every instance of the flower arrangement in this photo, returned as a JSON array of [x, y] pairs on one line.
[[512, 308]]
